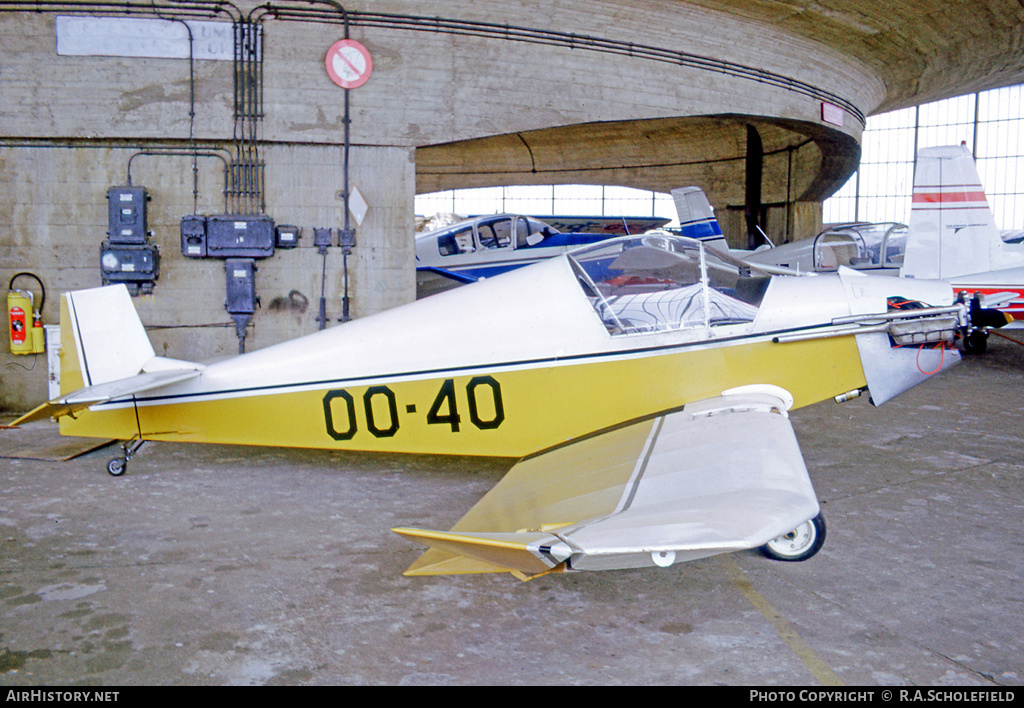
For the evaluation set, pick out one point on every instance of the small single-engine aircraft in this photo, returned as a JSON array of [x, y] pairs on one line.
[[861, 246], [874, 247], [482, 247], [953, 236], [644, 382]]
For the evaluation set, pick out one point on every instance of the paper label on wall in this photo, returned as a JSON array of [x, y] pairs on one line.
[[140, 37], [357, 205]]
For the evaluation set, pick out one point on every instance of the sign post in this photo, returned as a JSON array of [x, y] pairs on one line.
[[349, 66]]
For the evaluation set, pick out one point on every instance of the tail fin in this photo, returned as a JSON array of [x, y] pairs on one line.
[[95, 320], [105, 354], [696, 217], [952, 230]]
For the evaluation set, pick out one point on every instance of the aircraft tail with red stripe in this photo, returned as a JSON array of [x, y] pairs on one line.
[[952, 228]]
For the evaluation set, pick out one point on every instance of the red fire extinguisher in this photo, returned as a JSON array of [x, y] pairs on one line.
[[26, 336]]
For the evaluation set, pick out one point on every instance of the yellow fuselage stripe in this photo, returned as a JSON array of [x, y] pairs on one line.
[[502, 411]]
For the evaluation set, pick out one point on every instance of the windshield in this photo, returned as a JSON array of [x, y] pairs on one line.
[[656, 283]]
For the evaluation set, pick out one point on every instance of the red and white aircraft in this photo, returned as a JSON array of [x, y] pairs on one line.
[[953, 235]]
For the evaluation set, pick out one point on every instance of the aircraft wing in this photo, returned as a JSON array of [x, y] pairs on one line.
[[450, 274], [720, 475]]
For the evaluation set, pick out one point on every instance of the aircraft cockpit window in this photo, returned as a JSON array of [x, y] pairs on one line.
[[861, 246], [656, 283], [894, 246], [530, 232], [495, 234], [457, 242]]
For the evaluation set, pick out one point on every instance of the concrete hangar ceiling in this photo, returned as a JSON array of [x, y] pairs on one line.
[[656, 95]]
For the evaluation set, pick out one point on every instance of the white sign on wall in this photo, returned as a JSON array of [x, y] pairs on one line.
[[140, 37]]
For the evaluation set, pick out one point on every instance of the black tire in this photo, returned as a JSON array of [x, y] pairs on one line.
[[976, 342], [799, 544], [117, 466]]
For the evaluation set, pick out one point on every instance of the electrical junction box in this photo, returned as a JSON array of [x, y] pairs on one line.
[[322, 237], [127, 218], [241, 286], [137, 266], [287, 236], [239, 236], [193, 236]]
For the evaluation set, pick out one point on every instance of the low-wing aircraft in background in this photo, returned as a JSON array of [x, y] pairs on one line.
[[951, 236], [482, 247], [643, 382], [876, 248]]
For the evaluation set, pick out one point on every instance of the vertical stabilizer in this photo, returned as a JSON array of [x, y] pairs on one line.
[[110, 342], [696, 217], [952, 229]]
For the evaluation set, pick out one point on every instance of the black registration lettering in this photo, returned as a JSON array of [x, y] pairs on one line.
[[446, 398], [474, 406], [371, 422], [483, 396], [350, 415]]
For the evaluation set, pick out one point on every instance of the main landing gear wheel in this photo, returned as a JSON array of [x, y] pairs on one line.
[[975, 342], [799, 544]]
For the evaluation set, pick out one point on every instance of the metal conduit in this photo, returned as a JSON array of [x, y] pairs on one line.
[[303, 12], [568, 40]]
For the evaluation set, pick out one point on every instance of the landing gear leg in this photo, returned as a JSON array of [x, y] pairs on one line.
[[119, 465]]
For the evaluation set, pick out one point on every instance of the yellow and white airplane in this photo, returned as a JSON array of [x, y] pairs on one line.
[[644, 382]]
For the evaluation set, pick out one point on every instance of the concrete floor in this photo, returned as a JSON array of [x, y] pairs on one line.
[[214, 565]]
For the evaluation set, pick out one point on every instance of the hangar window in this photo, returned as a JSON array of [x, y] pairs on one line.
[[660, 282]]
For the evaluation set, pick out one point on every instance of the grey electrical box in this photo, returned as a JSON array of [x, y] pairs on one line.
[[322, 237], [347, 238], [127, 218], [137, 266], [241, 286], [193, 236], [287, 236], [239, 236]]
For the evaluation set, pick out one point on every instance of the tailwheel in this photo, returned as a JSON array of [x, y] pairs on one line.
[[799, 544], [119, 465]]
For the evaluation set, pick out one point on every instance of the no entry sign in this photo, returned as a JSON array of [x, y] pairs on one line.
[[348, 63]]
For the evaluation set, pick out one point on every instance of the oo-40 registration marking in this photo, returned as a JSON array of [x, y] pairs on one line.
[[378, 411]]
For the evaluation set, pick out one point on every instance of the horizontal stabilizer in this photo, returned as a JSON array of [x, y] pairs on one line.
[[105, 354], [91, 395]]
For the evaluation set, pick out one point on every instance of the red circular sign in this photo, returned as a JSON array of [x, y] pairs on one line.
[[348, 63]]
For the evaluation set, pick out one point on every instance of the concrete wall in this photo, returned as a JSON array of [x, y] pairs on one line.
[[445, 107], [53, 217]]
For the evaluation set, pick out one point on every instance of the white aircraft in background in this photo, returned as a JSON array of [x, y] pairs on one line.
[[953, 236], [861, 246], [644, 382], [466, 250]]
